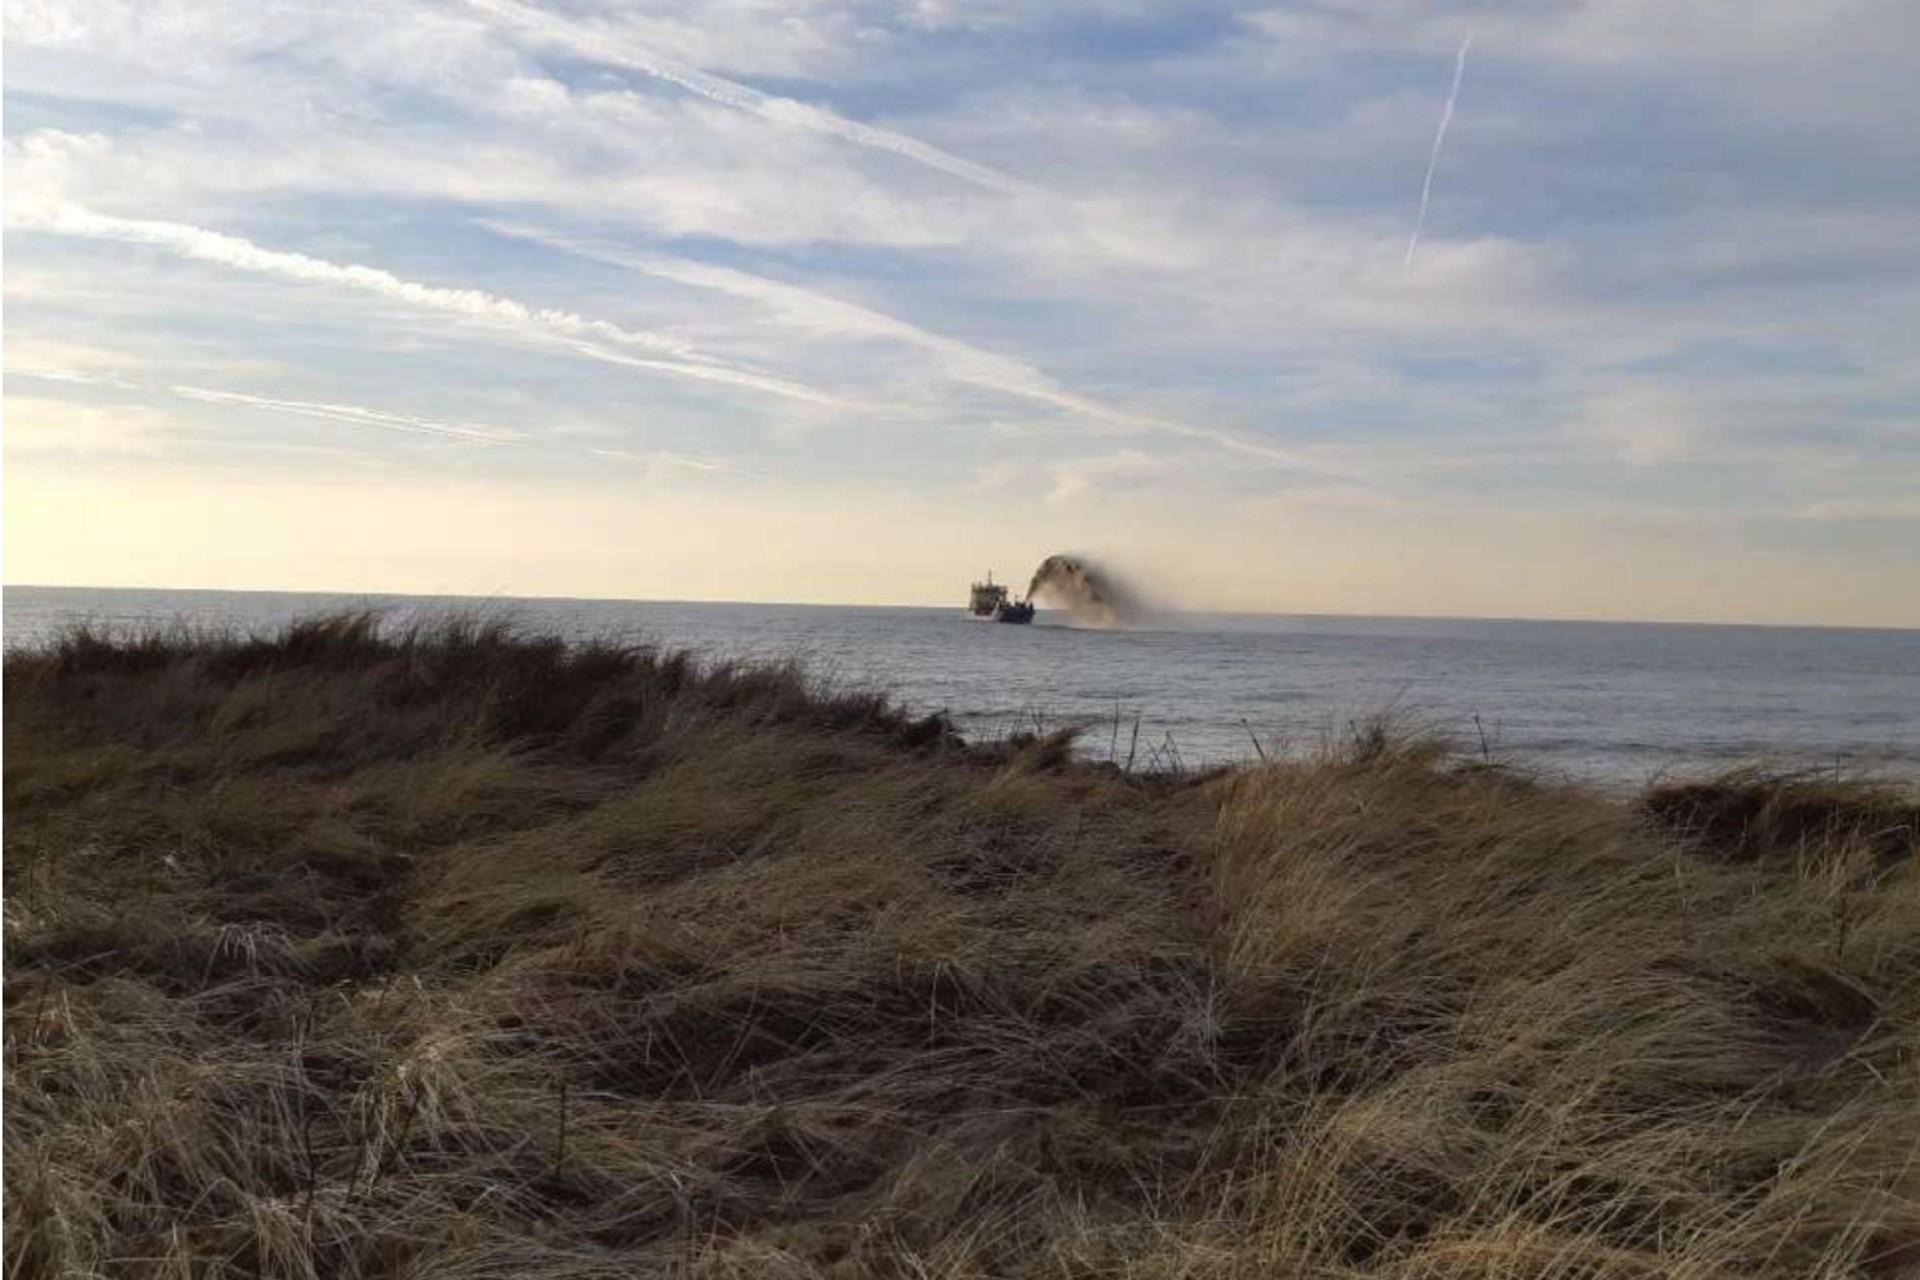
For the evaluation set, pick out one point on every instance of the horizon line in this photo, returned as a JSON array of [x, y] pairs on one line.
[[849, 604]]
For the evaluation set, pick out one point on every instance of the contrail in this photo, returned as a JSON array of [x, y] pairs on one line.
[[362, 416], [189, 241], [355, 414], [594, 338], [961, 361], [1433, 158], [660, 459], [807, 310], [589, 41]]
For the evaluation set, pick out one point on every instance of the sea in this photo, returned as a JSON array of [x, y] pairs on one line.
[[1608, 703]]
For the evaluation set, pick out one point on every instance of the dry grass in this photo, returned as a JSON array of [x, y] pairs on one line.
[[458, 953]]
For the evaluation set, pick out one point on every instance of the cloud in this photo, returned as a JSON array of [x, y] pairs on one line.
[[1216, 274], [809, 310], [658, 461], [1071, 480], [1062, 482], [607, 43], [545, 324], [53, 360], [821, 313], [83, 365], [724, 375], [39, 425], [1643, 426], [1840, 510], [61, 217], [54, 425], [357, 415]]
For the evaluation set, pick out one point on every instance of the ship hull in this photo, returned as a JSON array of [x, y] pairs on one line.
[[990, 602]]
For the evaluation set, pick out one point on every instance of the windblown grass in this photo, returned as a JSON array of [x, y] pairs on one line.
[[455, 952]]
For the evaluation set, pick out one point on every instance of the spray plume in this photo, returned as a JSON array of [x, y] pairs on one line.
[[1091, 594], [1433, 157]]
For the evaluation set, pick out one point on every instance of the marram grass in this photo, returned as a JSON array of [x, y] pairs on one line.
[[454, 952]]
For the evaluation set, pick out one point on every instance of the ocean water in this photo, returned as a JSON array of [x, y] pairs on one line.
[[1611, 703]]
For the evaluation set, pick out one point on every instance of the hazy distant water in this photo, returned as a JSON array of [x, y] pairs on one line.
[[1605, 701]]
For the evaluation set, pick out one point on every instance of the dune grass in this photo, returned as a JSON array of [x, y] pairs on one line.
[[454, 952]]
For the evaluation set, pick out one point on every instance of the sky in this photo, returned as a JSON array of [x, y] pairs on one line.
[[1545, 308]]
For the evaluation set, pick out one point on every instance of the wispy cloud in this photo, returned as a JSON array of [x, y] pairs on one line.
[[79, 365], [602, 42], [49, 425], [1643, 426], [1129, 467], [1861, 509], [1439, 137], [658, 460], [809, 310], [547, 325], [60, 425], [823, 313], [357, 415], [726, 375], [56, 361], [1209, 277]]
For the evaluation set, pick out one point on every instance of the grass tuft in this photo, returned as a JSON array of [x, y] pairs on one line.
[[1753, 814]]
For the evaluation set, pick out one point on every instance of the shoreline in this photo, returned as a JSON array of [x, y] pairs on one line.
[[1195, 686]]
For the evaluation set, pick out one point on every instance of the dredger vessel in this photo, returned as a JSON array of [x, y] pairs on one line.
[[991, 600]]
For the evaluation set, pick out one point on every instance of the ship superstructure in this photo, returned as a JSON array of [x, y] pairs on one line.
[[991, 599]]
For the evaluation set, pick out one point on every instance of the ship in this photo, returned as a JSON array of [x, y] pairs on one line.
[[991, 600]]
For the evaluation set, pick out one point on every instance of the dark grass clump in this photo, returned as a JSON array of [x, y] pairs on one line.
[[443, 950], [530, 690], [1755, 815]]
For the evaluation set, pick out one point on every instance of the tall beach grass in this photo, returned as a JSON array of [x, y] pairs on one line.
[[452, 951]]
